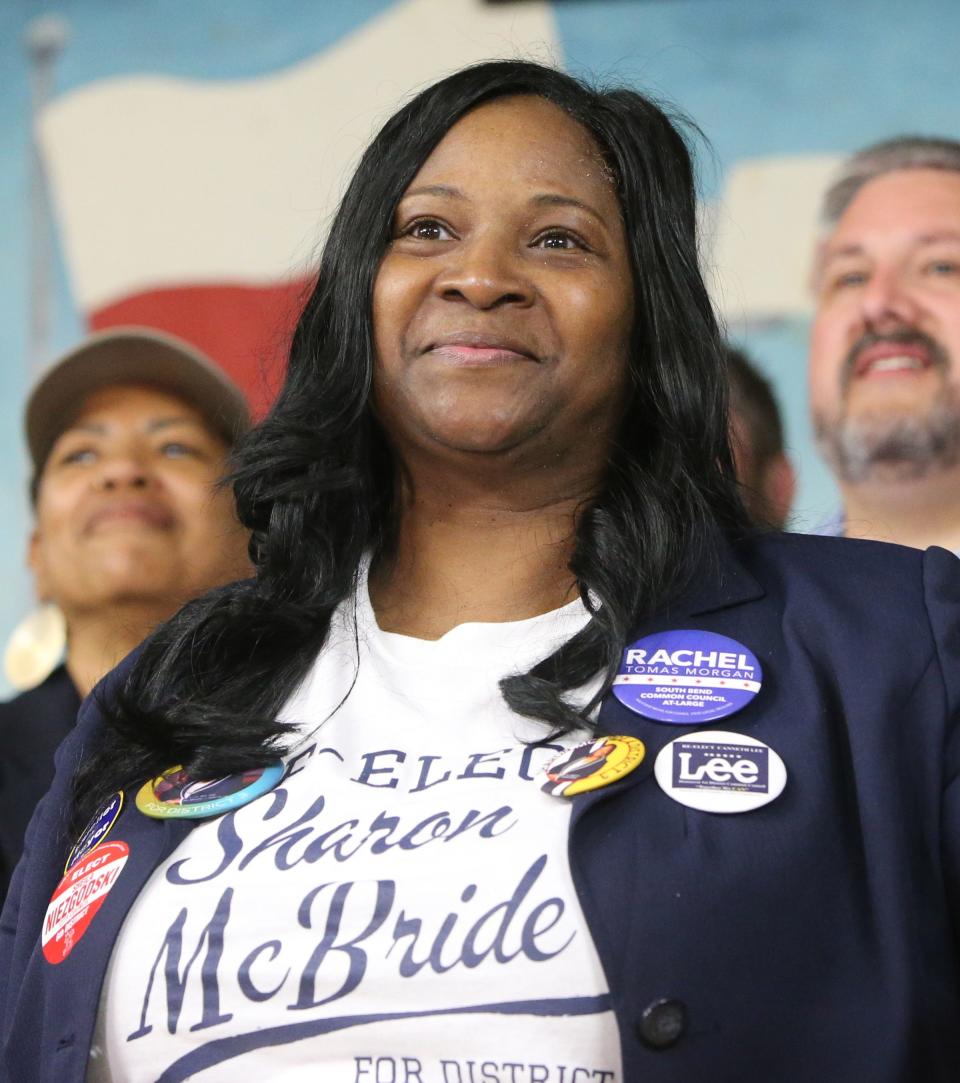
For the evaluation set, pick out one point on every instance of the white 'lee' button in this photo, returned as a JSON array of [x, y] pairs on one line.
[[717, 771]]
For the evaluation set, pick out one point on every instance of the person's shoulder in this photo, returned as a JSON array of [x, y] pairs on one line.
[[54, 711], [821, 552], [56, 686], [873, 572], [49, 709]]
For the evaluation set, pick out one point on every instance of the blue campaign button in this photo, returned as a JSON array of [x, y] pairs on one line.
[[686, 676], [96, 831]]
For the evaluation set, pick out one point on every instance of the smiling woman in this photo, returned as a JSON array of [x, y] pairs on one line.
[[502, 314], [128, 434], [128, 516], [468, 748], [504, 303]]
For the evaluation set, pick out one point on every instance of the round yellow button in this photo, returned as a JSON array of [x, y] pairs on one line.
[[593, 765]]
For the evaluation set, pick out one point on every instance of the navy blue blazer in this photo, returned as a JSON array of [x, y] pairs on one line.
[[813, 939], [32, 725]]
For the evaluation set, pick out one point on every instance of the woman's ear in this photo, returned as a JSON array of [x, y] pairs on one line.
[[37, 565]]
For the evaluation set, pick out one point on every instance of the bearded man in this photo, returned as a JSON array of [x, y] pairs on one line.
[[885, 343]]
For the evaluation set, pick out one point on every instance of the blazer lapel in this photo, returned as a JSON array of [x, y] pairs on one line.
[[72, 986], [718, 601], [723, 584]]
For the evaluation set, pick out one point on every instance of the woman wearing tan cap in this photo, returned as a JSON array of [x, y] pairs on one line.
[[128, 434]]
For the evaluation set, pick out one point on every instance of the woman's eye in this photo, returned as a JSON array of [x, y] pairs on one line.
[[175, 449], [559, 240], [427, 229], [78, 455]]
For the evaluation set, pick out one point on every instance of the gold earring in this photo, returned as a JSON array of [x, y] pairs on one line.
[[36, 647]]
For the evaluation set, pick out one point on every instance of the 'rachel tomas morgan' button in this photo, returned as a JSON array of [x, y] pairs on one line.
[[686, 677]]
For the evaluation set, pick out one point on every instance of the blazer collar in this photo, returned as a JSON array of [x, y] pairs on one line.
[[721, 581]]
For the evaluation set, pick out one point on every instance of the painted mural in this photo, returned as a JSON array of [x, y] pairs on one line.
[[174, 163]]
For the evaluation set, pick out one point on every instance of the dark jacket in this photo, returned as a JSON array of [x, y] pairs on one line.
[[812, 939], [31, 727]]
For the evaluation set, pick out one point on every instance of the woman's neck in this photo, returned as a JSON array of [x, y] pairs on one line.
[[99, 639], [481, 553]]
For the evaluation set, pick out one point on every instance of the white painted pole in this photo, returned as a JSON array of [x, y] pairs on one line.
[[45, 38]]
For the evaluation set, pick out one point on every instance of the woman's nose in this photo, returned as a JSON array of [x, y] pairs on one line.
[[485, 274], [124, 470]]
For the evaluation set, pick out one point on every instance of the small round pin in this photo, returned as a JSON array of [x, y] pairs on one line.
[[718, 771], [592, 765], [174, 794], [685, 677], [78, 897], [96, 830]]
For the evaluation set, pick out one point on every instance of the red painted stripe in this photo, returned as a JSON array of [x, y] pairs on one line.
[[246, 329]]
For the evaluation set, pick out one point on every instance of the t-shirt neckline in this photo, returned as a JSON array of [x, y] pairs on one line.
[[504, 640]]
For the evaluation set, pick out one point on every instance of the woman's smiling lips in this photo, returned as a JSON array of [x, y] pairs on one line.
[[468, 349], [136, 513]]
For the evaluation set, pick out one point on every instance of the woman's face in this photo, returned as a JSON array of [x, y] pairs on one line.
[[127, 509], [503, 307]]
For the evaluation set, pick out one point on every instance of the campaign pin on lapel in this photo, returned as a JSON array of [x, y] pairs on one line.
[[685, 677], [592, 765], [176, 795], [78, 897], [718, 771], [96, 830]]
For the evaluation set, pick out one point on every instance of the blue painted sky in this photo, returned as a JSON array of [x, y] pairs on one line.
[[759, 76], [780, 76]]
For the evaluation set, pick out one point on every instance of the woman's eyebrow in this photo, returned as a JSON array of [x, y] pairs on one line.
[[99, 428], [555, 199], [166, 422], [446, 191], [95, 428]]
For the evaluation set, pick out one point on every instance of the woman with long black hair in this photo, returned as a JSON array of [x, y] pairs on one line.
[[519, 759]]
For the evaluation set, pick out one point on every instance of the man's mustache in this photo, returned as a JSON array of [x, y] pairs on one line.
[[906, 336]]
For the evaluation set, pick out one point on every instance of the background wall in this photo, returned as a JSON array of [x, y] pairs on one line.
[[250, 111]]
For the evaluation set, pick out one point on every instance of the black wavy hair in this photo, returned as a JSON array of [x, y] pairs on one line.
[[314, 482]]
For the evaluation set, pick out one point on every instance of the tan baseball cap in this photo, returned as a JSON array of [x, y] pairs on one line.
[[130, 355]]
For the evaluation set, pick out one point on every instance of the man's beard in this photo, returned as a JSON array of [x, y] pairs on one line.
[[897, 446]]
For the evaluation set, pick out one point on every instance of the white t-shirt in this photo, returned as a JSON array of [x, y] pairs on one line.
[[399, 910]]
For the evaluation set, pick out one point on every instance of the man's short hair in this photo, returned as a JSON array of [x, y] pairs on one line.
[[752, 399], [888, 156]]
